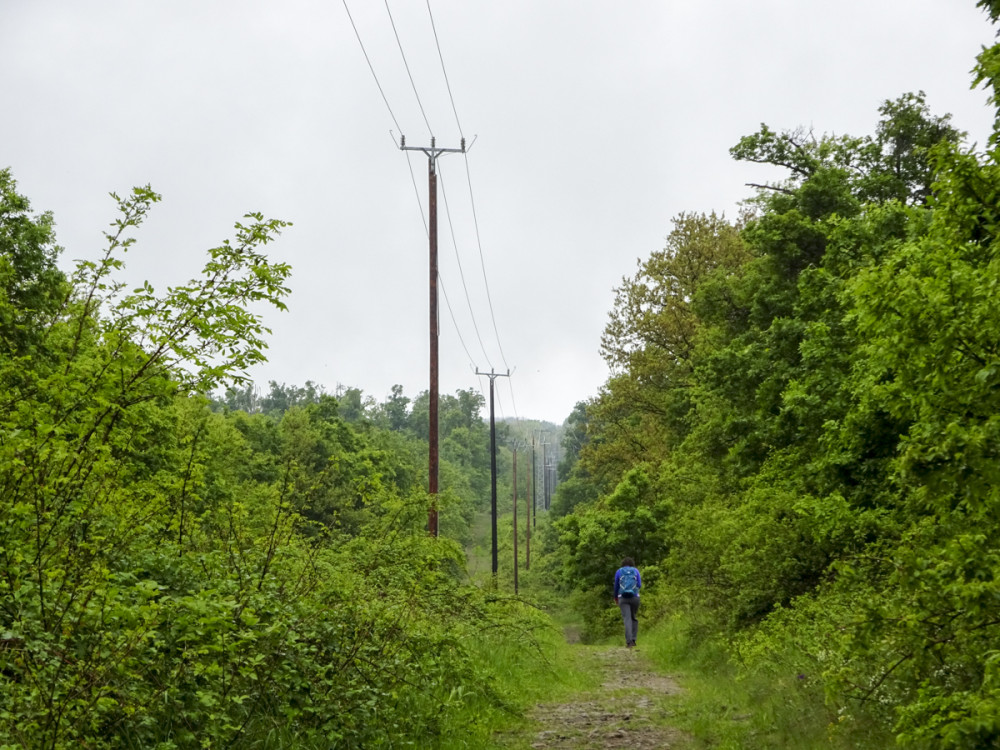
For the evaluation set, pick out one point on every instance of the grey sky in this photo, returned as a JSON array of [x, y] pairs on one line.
[[597, 122]]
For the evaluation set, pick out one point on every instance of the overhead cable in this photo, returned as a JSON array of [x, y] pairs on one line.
[[453, 321], [489, 299], [461, 272], [370, 66], [444, 71], [407, 66], [447, 302], [482, 261], [416, 192]]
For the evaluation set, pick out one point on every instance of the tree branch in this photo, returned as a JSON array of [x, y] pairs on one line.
[[786, 191]]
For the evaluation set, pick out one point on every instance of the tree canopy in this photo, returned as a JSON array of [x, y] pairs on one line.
[[798, 438]]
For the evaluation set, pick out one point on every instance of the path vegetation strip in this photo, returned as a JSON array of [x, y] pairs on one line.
[[629, 706]]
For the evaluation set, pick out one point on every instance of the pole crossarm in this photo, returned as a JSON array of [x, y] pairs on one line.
[[492, 374], [493, 463], [433, 151]]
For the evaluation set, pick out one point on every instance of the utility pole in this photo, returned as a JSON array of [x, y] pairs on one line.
[[545, 474], [493, 462], [527, 521], [554, 481], [433, 152], [550, 470], [515, 518], [534, 481]]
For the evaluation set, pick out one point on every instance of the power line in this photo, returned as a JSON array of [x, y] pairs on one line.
[[481, 389], [451, 313], [482, 260], [447, 83], [423, 113], [489, 298], [370, 66], [407, 66], [461, 272], [500, 405], [513, 403], [447, 302], [413, 178], [472, 199], [416, 191]]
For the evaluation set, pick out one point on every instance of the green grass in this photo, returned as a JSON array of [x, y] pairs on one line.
[[722, 707], [727, 709], [527, 676], [526, 670]]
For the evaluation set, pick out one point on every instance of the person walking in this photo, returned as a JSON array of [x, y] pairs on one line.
[[627, 585]]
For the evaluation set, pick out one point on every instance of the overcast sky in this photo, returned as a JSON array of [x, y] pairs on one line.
[[595, 124]]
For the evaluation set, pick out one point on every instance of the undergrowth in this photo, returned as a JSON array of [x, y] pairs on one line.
[[726, 707]]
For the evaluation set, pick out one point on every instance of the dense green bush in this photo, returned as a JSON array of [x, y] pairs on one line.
[[178, 577]]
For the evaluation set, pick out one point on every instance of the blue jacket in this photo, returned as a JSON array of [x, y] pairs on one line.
[[618, 578]]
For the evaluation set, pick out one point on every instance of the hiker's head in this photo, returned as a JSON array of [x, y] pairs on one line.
[[628, 562]]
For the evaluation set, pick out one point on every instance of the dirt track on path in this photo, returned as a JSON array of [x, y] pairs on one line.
[[630, 708]]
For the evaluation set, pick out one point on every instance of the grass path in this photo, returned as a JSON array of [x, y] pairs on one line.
[[626, 703]]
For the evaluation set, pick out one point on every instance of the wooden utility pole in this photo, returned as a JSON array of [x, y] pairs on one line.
[[515, 518], [493, 462], [534, 481], [545, 475], [550, 473], [433, 152], [527, 521]]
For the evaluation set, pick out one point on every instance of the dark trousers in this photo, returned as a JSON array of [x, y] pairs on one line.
[[629, 605]]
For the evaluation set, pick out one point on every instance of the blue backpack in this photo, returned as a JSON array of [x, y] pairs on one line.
[[628, 582]]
